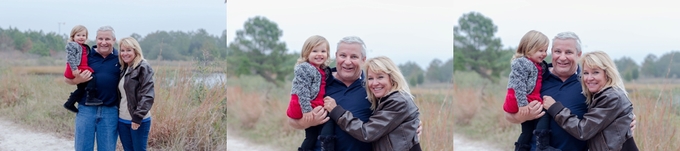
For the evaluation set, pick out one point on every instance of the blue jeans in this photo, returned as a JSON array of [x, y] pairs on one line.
[[134, 140], [96, 122]]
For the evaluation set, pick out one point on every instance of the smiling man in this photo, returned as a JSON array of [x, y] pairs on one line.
[[99, 122]]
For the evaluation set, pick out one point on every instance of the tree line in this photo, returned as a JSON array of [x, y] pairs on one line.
[[258, 50], [478, 50], [160, 45]]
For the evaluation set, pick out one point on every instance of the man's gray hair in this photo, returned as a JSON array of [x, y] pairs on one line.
[[108, 28], [569, 35], [354, 40]]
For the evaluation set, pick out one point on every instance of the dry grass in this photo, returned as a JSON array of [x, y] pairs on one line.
[[186, 115], [39, 70], [257, 111], [478, 112], [157, 65]]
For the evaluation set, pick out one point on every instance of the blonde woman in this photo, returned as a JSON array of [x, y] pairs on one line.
[[394, 121], [606, 125], [136, 88]]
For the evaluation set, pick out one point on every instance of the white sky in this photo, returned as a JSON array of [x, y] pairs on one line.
[[125, 16], [633, 29], [402, 30]]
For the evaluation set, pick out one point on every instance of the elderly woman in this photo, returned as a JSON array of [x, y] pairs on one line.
[[136, 88]]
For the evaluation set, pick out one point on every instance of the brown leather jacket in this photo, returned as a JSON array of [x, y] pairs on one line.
[[391, 127], [139, 90], [606, 125]]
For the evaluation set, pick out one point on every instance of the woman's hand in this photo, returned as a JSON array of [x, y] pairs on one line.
[[329, 103], [632, 126], [420, 128], [548, 101], [135, 126]]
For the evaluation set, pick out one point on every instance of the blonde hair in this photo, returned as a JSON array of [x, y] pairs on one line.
[[599, 59], [310, 43], [385, 65], [531, 42], [77, 29], [132, 43]]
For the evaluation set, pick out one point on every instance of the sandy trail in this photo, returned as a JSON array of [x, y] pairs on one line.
[[460, 143], [236, 143], [16, 138]]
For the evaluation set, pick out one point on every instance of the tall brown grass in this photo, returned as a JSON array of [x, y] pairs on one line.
[[257, 110], [479, 114], [186, 115]]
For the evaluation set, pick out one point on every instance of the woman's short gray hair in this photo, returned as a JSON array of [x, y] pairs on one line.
[[569, 35], [354, 40], [108, 28]]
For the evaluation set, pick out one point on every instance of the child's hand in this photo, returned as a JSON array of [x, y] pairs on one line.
[[523, 110], [307, 117]]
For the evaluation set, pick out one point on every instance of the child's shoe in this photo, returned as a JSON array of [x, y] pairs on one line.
[[543, 140], [92, 98], [327, 142], [71, 104]]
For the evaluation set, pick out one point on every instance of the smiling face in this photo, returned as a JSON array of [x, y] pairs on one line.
[[564, 56], [80, 37], [348, 62], [318, 55], [594, 78], [127, 54], [105, 42], [538, 55], [379, 83]]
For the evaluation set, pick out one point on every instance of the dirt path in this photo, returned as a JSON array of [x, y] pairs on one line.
[[16, 138], [13, 137], [235, 143], [460, 143]]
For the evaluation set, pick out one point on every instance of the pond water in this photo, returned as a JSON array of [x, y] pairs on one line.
[[209, 80]]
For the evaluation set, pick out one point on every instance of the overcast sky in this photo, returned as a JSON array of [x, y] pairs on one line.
[[125, 16], [418, 31], [620, 28]]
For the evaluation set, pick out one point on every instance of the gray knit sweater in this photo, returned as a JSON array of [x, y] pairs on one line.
[[522, 79], [306, 84], [74, 54]]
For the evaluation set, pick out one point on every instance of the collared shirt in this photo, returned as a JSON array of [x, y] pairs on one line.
[[353, 98], [569, 93], [107, 74]]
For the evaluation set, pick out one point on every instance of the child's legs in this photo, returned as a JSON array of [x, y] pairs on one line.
[[543, 123], [91, 91], [310, 137], [78, 93], [527, 131], [328, 128], [92, 84]]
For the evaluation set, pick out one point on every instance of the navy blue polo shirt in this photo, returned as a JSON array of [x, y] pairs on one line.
[[569, 94], [106, 73], [353, 99]]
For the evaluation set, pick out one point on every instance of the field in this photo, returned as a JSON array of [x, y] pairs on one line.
[[187, 115], [256, 110], [478, 112]]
